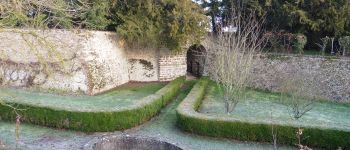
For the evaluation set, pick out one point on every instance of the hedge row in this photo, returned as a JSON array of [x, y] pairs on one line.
[[95, 121], [223, 126]]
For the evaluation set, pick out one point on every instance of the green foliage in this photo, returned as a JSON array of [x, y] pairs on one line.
[[96, 17], [299, 42], [221, 126], [54, 14], [95, 121], [325, 16], [160, 23], [142, 23], [313, 18]]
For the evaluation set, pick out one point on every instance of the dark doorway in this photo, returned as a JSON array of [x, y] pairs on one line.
[[196, 60]]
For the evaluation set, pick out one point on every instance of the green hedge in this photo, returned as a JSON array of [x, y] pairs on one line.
[[96, 121], [223, 126]]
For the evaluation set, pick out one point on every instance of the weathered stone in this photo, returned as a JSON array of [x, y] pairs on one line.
[[79, 60], [125, 142], [333, 75]]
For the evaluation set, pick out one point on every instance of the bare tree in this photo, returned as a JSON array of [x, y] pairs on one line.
[[18, 118], [231, 56], [332, 41], [299, 93], [344, 43], [274, 133], [323, 45]]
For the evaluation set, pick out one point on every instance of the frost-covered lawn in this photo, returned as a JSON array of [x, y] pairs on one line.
[[162, 127], [258, 107], [33, 137], [120, 98]]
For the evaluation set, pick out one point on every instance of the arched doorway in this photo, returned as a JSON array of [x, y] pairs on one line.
[[196, 60]]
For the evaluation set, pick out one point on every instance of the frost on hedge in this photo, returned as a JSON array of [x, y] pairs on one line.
[[99, 120], [221, 125]]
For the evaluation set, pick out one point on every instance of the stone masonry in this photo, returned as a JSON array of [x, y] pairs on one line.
[[79, 61], [332, 75]]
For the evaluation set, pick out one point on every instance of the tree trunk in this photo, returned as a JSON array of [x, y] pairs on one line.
[[332, 51], [213, 23]]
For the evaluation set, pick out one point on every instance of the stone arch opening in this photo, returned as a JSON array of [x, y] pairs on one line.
[[196, 60]]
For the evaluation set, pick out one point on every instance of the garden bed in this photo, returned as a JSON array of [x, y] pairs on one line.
[[327, 125], [162, 128], [115, 110]]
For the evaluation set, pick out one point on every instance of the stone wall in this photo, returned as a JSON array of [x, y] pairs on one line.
[[44, 59], [171, 65], [79, 61], [332, 75], [105, 61], [143, 64]]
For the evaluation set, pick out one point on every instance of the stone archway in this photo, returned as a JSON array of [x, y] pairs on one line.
[[195, 60]]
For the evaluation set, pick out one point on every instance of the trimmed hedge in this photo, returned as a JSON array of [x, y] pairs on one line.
[[224, 126], [96, 121]]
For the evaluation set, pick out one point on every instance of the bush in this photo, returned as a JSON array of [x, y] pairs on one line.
[[299, 42], [279, 42], [224, 126], [95, 121], [160, 23]]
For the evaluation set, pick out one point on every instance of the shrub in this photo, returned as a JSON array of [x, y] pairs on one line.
[[299, 42], [160, 23], [219, 125], [323, 44], [279, 42], [95, 121], [231, 56]]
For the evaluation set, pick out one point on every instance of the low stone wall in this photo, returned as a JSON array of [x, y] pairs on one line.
[[120, 142], [332, 75], [78, 60]]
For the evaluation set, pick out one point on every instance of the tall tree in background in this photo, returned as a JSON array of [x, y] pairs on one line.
[[314, 18], [319, 15], [212, 8], [222, 12], [157, 23]]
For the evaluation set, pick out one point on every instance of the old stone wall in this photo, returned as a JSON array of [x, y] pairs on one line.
[[106, 63], [79, 61], [143, 64], [171, 65], [44, 59], [331, 75]]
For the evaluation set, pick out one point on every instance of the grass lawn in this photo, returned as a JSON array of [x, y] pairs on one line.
[[162, 127], [116, 99], [258, 106], [33, 137]]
